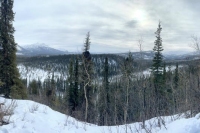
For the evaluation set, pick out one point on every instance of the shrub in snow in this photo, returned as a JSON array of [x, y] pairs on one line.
[[34, 108], [6, 111]]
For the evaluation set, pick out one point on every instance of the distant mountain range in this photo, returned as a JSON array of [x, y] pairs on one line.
[[38, 49], [149, 55]]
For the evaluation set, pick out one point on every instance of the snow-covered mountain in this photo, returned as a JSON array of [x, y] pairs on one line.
[[31, 117], [38, 49]]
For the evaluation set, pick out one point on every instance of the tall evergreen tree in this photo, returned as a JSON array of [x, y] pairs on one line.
[[71, 87], [13, 86], [157, 71], [157, 66], [106, 82], [176, 77], [76, 81]]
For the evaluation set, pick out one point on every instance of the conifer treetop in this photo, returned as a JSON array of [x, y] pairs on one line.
[[87, 42], [158, 57]]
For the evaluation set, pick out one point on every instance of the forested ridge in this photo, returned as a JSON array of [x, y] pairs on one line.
[[110, 77]]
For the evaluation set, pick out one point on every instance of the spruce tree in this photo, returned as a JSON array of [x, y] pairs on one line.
[[76, 81], [157, 67], [9, 75], [176, 77], [106, 82], [71, 87], [157, 71], [158, 57]]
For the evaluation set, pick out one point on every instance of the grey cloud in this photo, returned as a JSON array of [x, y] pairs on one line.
[[65, 23], [131, 24]]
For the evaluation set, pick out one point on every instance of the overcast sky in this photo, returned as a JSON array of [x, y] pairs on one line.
[[114, 25]]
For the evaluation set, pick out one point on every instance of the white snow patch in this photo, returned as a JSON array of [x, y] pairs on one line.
[[32, 117], [32, 73]]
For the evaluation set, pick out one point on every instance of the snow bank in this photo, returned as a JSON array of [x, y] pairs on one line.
[[32, 117]]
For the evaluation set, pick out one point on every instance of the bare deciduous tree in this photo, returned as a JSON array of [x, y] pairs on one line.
[[140, 43], [195, 41]]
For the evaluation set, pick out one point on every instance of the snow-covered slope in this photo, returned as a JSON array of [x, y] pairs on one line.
[[32, 117], [31, 73], [38, 49]]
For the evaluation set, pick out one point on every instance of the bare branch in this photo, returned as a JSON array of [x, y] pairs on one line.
[[195, 41], [140, 42]]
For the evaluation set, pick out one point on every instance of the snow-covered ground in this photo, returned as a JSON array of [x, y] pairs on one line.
[[35, 73], [32, 117], [147, 72], [32, 73]]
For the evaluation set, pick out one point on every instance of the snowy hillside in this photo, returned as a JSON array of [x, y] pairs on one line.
[[38, 49], [32, 117], [32, 73]]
